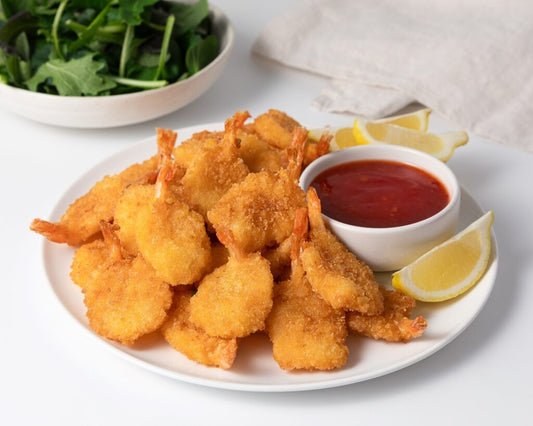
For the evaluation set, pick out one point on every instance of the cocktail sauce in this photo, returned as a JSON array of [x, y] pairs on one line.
[[379, 194]]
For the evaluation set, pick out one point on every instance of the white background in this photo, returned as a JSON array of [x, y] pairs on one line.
[[51, 374]]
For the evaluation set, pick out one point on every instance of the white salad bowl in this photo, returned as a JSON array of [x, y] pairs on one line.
[[124, 109], [389, 249]]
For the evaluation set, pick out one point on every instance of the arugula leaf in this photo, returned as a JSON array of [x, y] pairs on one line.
[[200, 53], [131, 10], [76, 77], [188, 15]]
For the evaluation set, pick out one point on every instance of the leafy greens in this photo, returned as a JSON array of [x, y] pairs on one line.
[[102, 47]]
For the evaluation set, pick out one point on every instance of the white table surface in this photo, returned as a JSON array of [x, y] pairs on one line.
[[51, 374]]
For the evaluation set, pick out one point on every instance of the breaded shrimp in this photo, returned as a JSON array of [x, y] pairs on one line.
[[138, 195], [215, 167], [393, 324], [193, 342], [275, 127], [257, 154], [124, 297], [306, 332], [171, 236], [333, 271], [186, 151], [80, 223], [259, 211], [235, 299]]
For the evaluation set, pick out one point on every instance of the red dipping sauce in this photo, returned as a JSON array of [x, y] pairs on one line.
[[379, 194]]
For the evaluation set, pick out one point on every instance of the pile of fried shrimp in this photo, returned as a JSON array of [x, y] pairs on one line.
[[212, 240]]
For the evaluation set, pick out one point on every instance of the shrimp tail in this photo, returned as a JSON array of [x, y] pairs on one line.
[[111, 239], [315, 210], [57, 232], [226, 237], [166, 174], [416, 327], [298, 235], [295, 152], [231, 126], [323, 144], [166, 139]]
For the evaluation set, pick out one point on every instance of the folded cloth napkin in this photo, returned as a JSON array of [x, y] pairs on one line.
[[471, 62]]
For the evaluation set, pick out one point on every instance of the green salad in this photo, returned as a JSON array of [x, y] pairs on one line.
[[102, 47]]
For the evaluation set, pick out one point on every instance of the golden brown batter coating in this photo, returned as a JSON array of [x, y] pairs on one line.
[[235, 299], [193, 342], [173, 239], [87, 262], [133, 199], [275, 127], [215, 167]]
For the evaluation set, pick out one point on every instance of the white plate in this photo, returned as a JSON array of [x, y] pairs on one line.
[[254, 368]]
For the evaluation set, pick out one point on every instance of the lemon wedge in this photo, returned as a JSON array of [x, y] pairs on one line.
[[417, 120], [440, 146], [343, 137], [451, 268]]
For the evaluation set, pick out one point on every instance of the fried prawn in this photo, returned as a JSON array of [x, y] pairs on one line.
[[235, 299], [306, 332], [334, 272], [80, 223], [193, 342], [259, 211], [125, 299], [393, 324], [171, 236]]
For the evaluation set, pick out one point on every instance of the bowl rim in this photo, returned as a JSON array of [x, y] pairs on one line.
[[228, 36], [453, 187]]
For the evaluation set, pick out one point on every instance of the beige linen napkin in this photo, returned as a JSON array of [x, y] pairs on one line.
[[471, 61]]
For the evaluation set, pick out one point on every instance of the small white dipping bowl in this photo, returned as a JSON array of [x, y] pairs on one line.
[[120, 110], [390, 249]]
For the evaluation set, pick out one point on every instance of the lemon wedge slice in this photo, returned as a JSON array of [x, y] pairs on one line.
[[417, 120], [343, 137], [440, 146], [451, 268]]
